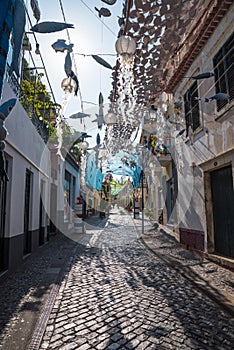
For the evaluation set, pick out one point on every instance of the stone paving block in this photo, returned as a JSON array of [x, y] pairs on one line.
[[116, 336], [119, 294], [56, 345], [84, 347], [82, 332], [68, 338], [132, 344], [145, 345], [69, 325], [56, 337], [113, 346], [103, 345], [70, 346]]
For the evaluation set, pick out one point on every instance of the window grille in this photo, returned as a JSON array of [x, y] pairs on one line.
[[191, 108], [224, 71]]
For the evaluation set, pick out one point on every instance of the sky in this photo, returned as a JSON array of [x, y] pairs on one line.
[[90, 36]]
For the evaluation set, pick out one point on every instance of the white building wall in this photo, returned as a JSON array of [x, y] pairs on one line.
[[26, 150]]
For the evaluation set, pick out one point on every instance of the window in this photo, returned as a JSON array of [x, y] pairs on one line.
[[224, 71], [191, 108]]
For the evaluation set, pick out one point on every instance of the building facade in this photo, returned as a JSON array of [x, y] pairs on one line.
[[25, 197], [204, 154]]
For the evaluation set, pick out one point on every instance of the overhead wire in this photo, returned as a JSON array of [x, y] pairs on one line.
[[97, 17]]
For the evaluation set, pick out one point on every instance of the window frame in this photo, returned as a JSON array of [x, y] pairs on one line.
[[192, 109], [224, 72]]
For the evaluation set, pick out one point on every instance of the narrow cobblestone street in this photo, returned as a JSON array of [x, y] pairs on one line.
[[115, 293]]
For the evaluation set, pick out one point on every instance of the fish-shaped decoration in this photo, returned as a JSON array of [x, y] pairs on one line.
[[85, 135], [74, 77], [60, 46], [109, 2], [50, 27], [99, 120], [102, 61], [19, 20], [79, 115], [98, 139], [219, 96], [180, 133], [204, 75], [36, 9], [100, 117], [103, 12], [68, 64], [100, 99]]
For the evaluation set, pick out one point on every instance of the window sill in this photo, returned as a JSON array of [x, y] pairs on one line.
[[219, 115], [195, 135]]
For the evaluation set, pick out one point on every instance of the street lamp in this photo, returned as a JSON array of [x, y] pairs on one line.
[[68, 85], [125, 46], [110, 118], [84, 145]]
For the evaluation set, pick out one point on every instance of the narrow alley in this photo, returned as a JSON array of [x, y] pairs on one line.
[[107, 290]]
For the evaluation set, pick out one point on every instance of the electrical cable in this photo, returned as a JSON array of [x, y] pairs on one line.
[[97, 17]]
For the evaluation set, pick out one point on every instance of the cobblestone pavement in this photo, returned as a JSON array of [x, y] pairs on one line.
[[115, 293], [119, 295]]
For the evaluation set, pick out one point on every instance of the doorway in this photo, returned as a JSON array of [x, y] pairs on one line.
[[223, 210], [53, 209], [3, 195], [27, 206]]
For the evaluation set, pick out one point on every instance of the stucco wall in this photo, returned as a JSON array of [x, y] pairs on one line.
[[214, 138], [25, 150]]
